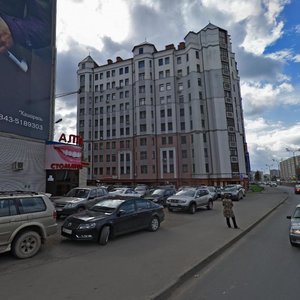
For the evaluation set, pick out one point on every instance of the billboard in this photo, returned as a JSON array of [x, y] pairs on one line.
[[60, 156], [27, 65]]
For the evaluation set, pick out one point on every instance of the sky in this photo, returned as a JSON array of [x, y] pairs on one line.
[[265, 37]]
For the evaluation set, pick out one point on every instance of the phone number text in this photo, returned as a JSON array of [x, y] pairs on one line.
[[20, 122]]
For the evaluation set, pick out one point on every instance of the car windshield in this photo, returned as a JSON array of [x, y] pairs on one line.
[[158, 192], [229, 188], [187, 192], [78, 193], [297, 186], [297, 213], [106, 206]]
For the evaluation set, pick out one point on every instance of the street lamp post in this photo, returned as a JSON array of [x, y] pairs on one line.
[[294, 160], [278, 166]]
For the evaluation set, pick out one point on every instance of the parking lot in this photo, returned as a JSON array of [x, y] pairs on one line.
[[135, 266]]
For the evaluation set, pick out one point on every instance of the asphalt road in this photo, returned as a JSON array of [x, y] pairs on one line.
[[133, 267], [261, 266]]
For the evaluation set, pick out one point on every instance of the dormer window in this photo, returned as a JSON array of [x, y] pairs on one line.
[[141, 50]]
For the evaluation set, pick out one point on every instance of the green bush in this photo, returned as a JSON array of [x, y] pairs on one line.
[[256, 188]]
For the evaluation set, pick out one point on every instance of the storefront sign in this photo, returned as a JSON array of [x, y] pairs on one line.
[[61, 156]]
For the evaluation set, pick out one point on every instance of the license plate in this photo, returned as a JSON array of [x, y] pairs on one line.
[[68, 231]]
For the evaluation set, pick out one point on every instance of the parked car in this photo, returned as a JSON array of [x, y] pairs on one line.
[[112, 217], [213, 192], [130, 192], [190, 199], [141, 189], [79, 199], [294, 233], [297, 189], [26, 220], [234, 192], [160, 195], [273, 183]]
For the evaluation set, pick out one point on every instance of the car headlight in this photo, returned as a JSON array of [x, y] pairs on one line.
[[70, 205], [87, 226]]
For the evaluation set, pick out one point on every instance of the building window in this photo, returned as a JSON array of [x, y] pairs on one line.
[[143, 142], [170, 140], [163, 140], [183, 139], [161, 87], [107, 74], [184, 154], [168, 86], [144, 169], [143, 128], [161, 74], [162, 113], [143, 155], [182, 126], [142, 89], [162, 127], [197, 54], [141, 64], [141, 76], [141, 50], [167, 60], [162, 100], [126, 70], [142, 101], [184, 168], [170, 126], [160, 62], [169, 111], [179, 60], [168, 73]]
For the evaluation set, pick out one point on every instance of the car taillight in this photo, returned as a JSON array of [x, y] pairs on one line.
[[54, 215]]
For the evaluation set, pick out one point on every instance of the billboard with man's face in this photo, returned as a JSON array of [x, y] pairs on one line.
[[27, 60]]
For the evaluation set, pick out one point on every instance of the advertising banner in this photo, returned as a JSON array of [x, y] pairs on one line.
[[27, 52], [61, 156]]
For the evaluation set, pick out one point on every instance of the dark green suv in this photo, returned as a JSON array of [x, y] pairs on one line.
[[26, 220]]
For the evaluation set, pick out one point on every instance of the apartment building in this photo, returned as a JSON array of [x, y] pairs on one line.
[[165, 116]]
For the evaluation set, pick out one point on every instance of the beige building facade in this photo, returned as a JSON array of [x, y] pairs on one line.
[[172, 116]]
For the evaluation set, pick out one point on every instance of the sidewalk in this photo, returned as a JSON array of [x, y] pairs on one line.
[[249, 212]]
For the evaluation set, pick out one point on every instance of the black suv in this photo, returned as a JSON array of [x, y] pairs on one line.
[[26, 220], [160, 195]]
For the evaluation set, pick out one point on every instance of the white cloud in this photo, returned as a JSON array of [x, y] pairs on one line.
[[268, 140], [261, 97], [89, 21]]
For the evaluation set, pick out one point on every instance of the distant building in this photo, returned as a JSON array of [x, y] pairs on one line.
[[169, 116], [290, 168]]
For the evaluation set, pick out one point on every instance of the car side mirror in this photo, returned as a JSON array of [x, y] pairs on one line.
[[121, 212], [289, 217]]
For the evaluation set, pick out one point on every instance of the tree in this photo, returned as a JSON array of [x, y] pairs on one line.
[[257, 176]]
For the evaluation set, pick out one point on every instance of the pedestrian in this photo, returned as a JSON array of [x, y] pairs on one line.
[[228, 211]]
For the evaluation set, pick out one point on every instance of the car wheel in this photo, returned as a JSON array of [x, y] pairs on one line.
[[26, 244], [104, 235], [154, 224], [292, 243], [192, 208], [210, 205], [170, 209]]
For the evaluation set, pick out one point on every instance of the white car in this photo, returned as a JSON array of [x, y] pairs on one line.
[[142, 189], [124, 192]]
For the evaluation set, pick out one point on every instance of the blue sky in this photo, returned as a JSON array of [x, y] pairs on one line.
[[265, 37]]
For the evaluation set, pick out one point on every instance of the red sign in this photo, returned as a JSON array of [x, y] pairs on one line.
[[72, 139]]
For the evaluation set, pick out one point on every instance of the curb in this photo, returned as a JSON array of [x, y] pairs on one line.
[[168, 291]]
